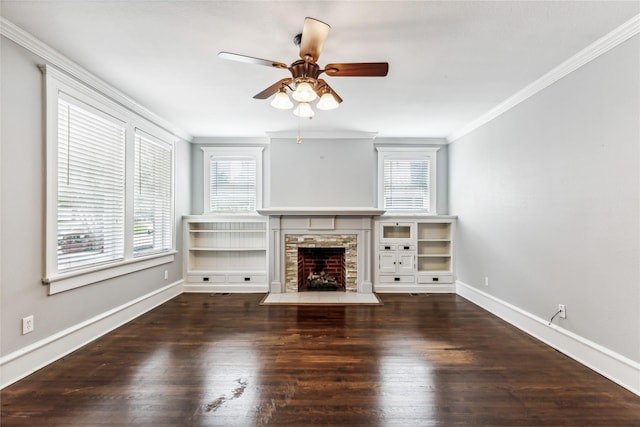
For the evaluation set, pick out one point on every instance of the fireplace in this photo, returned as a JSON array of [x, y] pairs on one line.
[[347, 230], [321, 269]]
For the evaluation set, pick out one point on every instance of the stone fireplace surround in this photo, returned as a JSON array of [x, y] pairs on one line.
[[350, 228]]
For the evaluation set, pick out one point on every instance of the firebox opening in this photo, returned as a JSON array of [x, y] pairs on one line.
[[321, 269]]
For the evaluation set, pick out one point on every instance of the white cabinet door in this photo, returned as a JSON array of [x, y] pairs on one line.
[[387, 262], [406, 263]]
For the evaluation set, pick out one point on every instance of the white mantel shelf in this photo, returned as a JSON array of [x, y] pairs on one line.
[[330, 211]]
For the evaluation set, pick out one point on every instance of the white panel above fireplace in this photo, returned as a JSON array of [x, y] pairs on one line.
[[322, 172]]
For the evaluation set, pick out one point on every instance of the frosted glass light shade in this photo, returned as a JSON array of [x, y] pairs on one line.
[[304, 110], [281, 101], [304, 93], [327, 102]]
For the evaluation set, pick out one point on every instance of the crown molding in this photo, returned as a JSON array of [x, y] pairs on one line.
[[53, 57], [338, 134], [588, 54], [230, 140], [409, 141]]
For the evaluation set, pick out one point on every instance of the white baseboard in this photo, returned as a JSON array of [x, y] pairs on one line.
[[193, 288], [606, 362], [27, 360]]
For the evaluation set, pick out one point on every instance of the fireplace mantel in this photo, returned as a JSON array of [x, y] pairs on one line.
[[321, 211]]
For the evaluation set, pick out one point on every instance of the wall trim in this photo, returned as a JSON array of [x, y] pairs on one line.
[[52, 56], [614, 366], [588, 54], [27, 360]]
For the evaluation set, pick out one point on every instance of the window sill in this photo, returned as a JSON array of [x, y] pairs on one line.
[[71, 280]]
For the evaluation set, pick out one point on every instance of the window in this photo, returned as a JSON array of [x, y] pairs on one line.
[[109, 188], [232, 179], [406, 179], [152, 202], [90, 202]]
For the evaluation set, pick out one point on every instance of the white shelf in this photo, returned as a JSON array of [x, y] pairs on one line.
[[226, 253], [431, 243]]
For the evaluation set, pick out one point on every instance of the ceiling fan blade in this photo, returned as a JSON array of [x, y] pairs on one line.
[[320, 89], [273, 88], [361, 69], [314, 33], [251, 60]]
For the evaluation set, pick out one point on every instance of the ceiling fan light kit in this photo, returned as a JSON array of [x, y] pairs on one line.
[[304, 110], [304, 92], [304, 82], [281, 101], [327, 102]]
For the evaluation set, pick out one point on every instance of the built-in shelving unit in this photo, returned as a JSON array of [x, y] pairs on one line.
[[225, 254], [415, 255]]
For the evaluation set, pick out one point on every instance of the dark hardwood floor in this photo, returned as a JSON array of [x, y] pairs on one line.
[[224, 360]]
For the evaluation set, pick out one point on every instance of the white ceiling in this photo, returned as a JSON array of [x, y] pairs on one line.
[[450, 61]]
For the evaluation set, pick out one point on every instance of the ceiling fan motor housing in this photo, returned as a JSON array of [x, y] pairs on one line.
[[302, 70]]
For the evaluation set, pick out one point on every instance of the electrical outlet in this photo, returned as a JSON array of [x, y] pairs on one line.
[[27, 324], [563, 311], [486, 281], [166, 274]]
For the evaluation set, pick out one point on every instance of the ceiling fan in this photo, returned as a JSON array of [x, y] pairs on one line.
[[304, 82]]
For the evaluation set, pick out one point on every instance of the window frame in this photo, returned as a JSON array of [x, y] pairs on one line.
[[56, 84], [409, 153], [210, 153]]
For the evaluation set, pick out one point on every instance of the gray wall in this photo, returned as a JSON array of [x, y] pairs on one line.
[[331, 172], [548, 202], [22, 250]]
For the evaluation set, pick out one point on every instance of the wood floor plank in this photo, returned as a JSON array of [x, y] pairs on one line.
[[225, 360]]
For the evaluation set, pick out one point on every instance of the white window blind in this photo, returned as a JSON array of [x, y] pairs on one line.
[[406, 184], [91, 187], [152, 216], [232, 184]]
